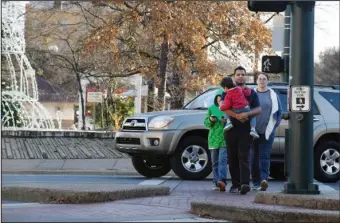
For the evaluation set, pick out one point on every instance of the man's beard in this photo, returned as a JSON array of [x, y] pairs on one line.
[[239, 83]]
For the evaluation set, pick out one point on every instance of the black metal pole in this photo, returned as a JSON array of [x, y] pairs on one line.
[[286, 46], [287, 157], [301, 174]]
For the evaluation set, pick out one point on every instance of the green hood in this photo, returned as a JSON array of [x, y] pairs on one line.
[[218, 93], [216, 133]]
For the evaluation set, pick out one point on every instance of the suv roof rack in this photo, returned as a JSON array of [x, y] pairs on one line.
[[271, 83], [278, 83], [335, 87]]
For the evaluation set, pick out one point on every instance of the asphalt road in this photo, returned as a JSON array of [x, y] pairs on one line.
[[116, 179], [58, 178], [172, 208]]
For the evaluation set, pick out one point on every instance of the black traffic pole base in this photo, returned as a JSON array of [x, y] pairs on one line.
[[290, 188]]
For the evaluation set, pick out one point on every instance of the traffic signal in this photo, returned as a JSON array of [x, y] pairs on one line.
[[267, 6], [272, 64]]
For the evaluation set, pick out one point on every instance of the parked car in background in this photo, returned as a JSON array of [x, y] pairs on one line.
[[177, 139]]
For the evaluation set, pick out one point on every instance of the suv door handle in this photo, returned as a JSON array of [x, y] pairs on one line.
[[316, 119]]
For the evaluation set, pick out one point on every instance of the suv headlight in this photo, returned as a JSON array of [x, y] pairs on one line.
[[160, 122]]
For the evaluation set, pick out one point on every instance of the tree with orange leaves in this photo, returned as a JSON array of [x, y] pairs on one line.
[[174, 37]]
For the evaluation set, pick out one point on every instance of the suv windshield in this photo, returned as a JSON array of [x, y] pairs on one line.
[[206, 99], [203, 101]]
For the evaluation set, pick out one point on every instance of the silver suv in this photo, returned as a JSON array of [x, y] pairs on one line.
[[177, 139]]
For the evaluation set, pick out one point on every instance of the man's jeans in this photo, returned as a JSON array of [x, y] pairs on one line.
[[219, 164], [260, 158]]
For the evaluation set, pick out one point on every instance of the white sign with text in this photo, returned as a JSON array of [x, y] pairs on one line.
[[94, 97], [300, 99]]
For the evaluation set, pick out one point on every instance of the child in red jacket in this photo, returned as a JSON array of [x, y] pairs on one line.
[[235, 99]]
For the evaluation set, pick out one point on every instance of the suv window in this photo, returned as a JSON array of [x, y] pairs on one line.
[[333, 98], [203, 101], [282, 93]]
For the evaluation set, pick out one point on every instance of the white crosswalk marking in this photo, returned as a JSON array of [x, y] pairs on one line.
[[24, 205], [155, 181]]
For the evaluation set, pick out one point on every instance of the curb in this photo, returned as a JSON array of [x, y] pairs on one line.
[[262, 213], [80, 172], [94, 172], [80, 194], [325, 201]]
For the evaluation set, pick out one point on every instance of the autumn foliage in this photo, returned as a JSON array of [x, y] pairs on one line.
[[168, 42], [186, 29]]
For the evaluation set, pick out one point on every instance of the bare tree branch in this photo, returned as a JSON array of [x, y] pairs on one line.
[[209, 44], [270, 18], [88, 11]]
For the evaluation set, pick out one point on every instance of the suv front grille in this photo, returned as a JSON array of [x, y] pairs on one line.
[[130, 141], [134, 128], [135, 124]]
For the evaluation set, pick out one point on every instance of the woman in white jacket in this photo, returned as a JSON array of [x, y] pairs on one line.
[[266, 123]]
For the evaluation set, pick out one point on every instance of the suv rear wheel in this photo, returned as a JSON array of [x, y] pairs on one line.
[[192, 159], [151, 167], [327, 162]]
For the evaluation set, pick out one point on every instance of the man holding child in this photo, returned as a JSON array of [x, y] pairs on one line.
[[240, 137]]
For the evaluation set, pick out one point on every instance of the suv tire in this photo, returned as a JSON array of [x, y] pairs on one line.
[[197, 148], [148, 169], [320, 155]]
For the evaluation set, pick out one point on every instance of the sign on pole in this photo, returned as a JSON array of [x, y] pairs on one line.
[[300, 99], [272, 64], [94, 97]]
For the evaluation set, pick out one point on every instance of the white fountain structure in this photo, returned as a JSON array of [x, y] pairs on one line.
[[20, 96]]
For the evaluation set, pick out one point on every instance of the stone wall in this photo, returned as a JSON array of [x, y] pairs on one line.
[[58, 145]]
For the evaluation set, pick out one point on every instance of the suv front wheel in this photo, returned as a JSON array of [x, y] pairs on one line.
[[192, 159], [327, 161], [151, 167]]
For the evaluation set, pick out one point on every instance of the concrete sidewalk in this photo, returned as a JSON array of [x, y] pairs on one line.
[[247, 210]]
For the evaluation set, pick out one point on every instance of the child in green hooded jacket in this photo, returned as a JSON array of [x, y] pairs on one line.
[[215, 123]]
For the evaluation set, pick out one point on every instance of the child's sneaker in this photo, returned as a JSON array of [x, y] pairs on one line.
[[254, 134], [215, 186], [255, 187], [228, 126]]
